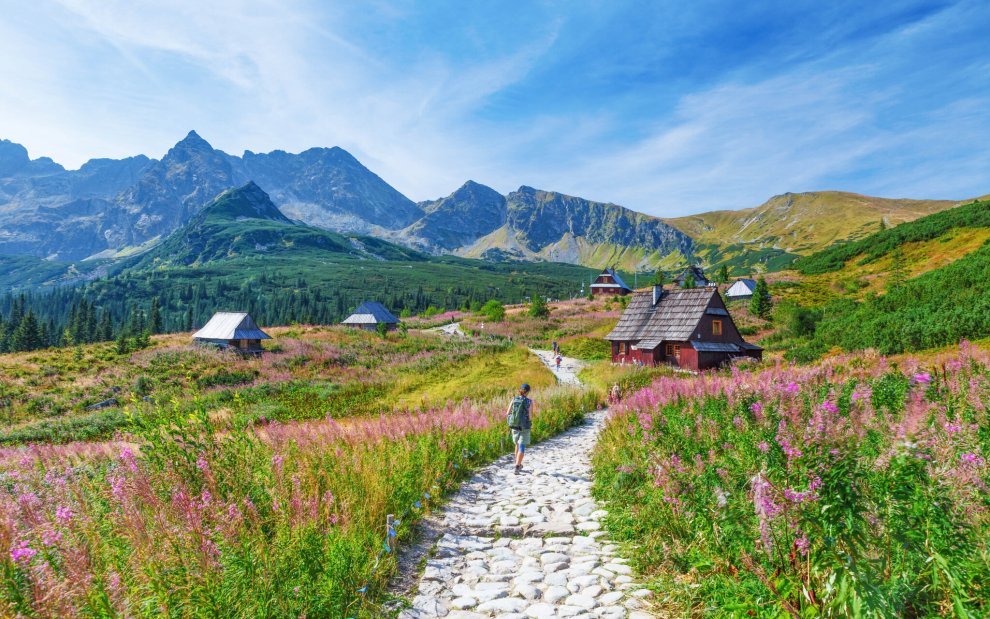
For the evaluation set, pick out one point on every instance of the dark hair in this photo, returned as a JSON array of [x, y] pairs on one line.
[[524, 389]]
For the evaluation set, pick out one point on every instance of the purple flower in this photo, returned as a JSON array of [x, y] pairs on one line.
[[756, 407], [277, 461], [802, 544], [830, 407], [201, 463], [63, 514], [923, 377], [972, 458], [22, 552], [763, 446], [128, 458], [51, 537], [792, 388]]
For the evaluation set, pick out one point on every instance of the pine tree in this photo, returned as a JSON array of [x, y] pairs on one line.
[[689, 281], [761, 305], [155, 317], [660, 278], [723, 275], [26, 335], [189, 319], [898, 270], [538, 307]]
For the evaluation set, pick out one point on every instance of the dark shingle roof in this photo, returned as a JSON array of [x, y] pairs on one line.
[[674, 318], [715, 346], [699, 275], [618, 280], [369, 313]]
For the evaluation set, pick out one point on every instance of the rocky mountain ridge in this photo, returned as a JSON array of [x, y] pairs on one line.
[[113, 208]]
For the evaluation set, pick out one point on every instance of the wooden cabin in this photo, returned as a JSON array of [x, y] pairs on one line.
[[369, 315], [693, 272], [688, 328], [609, 282], [233, 330], [741, 289]]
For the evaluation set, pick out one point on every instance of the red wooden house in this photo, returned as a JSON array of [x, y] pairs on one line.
[[609, 282], [688, 328]]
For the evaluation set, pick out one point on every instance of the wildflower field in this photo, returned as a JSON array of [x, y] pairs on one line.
[[852, 488], [216, 510]]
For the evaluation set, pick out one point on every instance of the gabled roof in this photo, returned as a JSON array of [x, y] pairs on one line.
[[699, 274], [371, 313], [231, 326], [615, 277], [748, 284], [674, 317]]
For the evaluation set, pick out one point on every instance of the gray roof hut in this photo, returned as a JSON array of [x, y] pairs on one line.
[[697, 273], [369, 315], [232, 330], [742, 289]]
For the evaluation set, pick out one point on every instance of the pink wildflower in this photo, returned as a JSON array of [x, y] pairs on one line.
[[63, 514], [277, 461], [22, 552], [802, 544], [972, 458], [923, 377], [763, 446], [201, 463], [830, 407], [51, 537]]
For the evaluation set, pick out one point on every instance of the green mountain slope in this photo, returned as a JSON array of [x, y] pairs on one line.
[[241, 253], [796, 224]]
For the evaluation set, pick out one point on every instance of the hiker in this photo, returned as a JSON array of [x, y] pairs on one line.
[[519, 422], [556, 349], [614, 394], [558, 361]]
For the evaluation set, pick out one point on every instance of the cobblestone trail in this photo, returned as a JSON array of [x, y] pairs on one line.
[[530, 545]]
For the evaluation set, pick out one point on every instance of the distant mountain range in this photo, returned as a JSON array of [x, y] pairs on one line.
[[117, 208]]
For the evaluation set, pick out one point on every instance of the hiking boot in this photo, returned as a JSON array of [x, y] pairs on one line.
[[518, 469]]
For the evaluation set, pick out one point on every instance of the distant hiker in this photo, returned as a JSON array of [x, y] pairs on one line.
[[614, 394], [558, 361], [519, 423], [556, 349]]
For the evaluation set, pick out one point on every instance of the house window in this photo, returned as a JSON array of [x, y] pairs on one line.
[[675, 350], [716, 327], [622, 348], [670, 349]]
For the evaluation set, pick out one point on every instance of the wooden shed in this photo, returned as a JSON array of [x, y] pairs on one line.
[[741, 289], [369, 315], [688, 328], [609, 282], [232, 330]]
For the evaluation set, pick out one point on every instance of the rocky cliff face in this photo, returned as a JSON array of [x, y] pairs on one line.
[[108, 205]]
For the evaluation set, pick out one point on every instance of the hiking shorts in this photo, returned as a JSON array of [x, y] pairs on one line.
[[520, 437]]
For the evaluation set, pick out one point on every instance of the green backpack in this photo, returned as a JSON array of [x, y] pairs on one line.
[[519, 413]]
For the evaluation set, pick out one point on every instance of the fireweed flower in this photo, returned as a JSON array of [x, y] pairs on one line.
[[923, 378], [201, 463], [830, 407], [63, 514], [277, 461], [802, 544], [972, 458], [22, 552], [763, 446]]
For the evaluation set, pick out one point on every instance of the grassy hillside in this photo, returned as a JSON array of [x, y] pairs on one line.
[[973, 215], [805, 222]]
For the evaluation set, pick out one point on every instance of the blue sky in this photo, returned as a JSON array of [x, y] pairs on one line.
[[668, 108]]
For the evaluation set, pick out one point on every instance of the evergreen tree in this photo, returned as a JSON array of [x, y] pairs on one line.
[[123, 346], [538, 307], [189, 319], [761, 305], [898, 270], [27, 335], [723, 275], [689, 281], [659, 278], [155, 317]]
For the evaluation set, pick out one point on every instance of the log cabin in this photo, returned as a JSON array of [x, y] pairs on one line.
[[609, 282], [233, 330]]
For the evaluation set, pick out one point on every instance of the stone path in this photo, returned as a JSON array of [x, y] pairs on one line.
[[453, 329], [530, 545]]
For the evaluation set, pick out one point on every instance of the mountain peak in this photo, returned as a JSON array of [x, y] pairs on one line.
[[248, 201], [193, 140]]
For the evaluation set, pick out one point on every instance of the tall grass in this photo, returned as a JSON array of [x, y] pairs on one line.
[[281, 520], [850, 489]]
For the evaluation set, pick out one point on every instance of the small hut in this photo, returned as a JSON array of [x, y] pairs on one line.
[[741, 289], [695, 273], [688, 328], [609, 282], [369, 315], [232, 330]]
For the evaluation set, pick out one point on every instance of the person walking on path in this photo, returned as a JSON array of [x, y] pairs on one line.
[[518, 416]]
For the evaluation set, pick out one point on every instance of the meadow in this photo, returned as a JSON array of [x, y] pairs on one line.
[[853, 487], [243, 487], [308, 372]]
